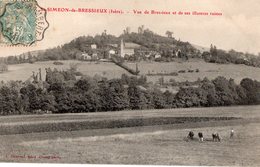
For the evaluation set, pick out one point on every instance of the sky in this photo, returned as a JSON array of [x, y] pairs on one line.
[[238, 28]]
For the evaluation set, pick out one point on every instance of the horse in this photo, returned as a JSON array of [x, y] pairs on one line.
[[216, 137], [191, 135], [200, 134]]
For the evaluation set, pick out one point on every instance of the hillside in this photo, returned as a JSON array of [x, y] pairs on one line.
[[148, 42], [109, 70], [144, 45]]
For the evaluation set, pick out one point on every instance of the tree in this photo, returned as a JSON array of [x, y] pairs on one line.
[[137, 99], [112, 95], [47, 102], [104, 33], [141, 29], [118, 95], [8, 101], [191, 97], [169, 34], [224, 91], [213, 50], [54, 76], [103, 93], [64, 103], [31, 93], [83, 84], [169, 99], [212, 98], [252, 90], [158, 99]]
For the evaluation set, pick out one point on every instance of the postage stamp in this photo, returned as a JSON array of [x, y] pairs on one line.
[[22, 22]]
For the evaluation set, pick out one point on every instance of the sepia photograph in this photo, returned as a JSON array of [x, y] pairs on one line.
[[130, 82]]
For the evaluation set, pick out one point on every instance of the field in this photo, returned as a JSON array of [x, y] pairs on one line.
[[162, 144], [110, 70]]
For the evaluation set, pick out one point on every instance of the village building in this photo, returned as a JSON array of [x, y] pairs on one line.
[[95, 56], [111, 52], [128, 48], [86, 56], [93, 46], [148, 56], [158, 56]]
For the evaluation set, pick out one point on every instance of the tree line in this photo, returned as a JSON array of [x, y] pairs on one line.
[[62, 93], [222, 57]]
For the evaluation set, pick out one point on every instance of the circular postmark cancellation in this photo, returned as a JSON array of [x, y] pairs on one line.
[[22, 22]]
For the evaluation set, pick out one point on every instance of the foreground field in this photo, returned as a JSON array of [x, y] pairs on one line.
[[156, 148], [110, 70], [159, 144]]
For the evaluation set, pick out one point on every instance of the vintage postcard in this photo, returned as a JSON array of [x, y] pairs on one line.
[[132, 82]]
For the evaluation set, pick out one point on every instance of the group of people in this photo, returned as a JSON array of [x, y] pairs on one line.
[[215, 136]]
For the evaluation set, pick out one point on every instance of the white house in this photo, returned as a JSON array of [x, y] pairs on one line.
[[157, 56], [113, 45], [148, 55], [112, 52], [85, 56], [93, 46], [95, 56]]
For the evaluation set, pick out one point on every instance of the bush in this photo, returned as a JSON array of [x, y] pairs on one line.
[[182, 71]]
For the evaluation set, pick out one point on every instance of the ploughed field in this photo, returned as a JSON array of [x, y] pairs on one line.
[[135, 137], [110, 70]]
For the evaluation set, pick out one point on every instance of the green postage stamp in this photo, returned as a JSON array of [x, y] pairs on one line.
[[22, 22]]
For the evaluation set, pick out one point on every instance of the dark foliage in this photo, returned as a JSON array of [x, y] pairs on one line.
[[222, 57], [88, 94]]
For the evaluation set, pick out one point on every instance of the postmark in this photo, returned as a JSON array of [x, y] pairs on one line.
[[22, 22]]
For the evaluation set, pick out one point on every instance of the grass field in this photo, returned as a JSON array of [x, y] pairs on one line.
[[158, 144], [110, 70]]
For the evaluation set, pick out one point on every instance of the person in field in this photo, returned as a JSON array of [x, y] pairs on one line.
[[191, 135], [216, 137], [200, 134], [232, 133]]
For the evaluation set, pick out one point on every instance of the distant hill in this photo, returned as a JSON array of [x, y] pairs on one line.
[[151, 44]]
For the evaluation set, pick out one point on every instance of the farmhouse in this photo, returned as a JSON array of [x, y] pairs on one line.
[[86, 56], [157, 56], [111, 52], [95, 56], [93, 46], [148, 55]]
